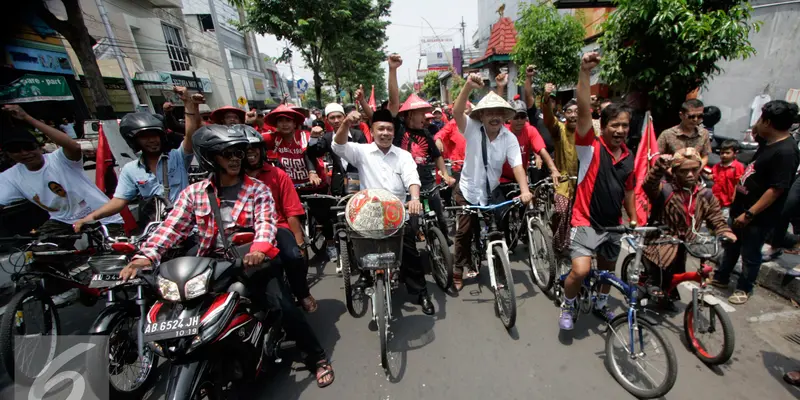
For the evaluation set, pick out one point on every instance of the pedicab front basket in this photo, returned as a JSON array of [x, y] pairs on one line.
[[375, 220]]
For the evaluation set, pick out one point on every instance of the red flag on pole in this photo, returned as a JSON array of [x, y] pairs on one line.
[[104, 164], [645, 156], [372, 99]]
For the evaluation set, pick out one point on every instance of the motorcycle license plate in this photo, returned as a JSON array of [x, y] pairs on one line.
[[171, 329], [101, 281]]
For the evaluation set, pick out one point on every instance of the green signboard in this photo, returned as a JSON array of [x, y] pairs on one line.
[[30, 88]]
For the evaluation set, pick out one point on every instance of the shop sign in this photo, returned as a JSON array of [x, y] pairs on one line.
[[30, 88], [29, 59], [199, 84]]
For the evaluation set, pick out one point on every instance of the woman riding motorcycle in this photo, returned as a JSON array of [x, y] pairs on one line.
[[245, 204]]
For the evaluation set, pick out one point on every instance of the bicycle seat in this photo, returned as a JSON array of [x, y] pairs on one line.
[[108, 264]]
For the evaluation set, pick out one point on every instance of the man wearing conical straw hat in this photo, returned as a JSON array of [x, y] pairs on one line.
[[484, 128]]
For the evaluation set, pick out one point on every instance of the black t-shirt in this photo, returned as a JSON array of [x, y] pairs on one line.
[[773, 166], [227, 195], [422, 146], [537, 122]]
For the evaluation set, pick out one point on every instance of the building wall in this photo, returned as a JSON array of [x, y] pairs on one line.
[[773, 69]]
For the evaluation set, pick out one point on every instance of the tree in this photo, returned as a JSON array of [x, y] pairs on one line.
[[666, 49], [73, 29], [405, 90], [314, 27], [456, 86], [430, 85], [327, 97], [551, 41]]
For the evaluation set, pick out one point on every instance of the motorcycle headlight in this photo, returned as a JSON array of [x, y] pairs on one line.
[[197, 286], [168, 289]]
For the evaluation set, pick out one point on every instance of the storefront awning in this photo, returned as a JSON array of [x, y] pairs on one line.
[[30, 88]]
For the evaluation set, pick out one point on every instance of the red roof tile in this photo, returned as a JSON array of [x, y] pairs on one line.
[[502, 39]]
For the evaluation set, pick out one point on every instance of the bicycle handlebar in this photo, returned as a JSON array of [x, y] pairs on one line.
[[639, 229], [429, 192], [489, 207]]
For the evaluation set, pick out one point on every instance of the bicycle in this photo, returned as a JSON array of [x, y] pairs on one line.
[[629, 324], [312, 228], [704, 314], [40, 281], [441, 258], [490, 243]]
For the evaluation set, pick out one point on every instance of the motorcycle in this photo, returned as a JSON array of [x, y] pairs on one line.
[[209, 328]]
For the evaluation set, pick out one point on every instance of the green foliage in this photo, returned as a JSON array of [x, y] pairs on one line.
[[550, 41], [456, 86], [669, 48], [430, 85], [405, 90], [327, 97]]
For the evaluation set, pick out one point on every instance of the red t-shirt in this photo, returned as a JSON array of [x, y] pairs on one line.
[[287, 202], [291, 154], [725, 180], [455, 145], [530, 143]]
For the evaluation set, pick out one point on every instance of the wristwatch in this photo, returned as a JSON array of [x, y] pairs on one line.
[[302, 246], [748, 214]]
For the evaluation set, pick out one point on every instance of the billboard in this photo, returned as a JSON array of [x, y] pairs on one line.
[[437, 51]]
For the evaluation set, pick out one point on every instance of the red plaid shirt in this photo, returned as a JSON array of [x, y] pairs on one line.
[[255, 208]]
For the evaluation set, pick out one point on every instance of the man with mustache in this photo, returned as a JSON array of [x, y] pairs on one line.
[[605, 182], [489, 145], [688, 133]]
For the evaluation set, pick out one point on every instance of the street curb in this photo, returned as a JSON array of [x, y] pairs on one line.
[[774, 277]]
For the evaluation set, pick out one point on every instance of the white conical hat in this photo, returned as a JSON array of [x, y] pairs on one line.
[[490, 101]]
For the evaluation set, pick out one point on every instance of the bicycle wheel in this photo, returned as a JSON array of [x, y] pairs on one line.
[[316, 239], [382, 318], [650, 381], [355, 300], [514, 227], [541, 256], [24, 352], [441, 258], [121, 355], [623, 273], [504, 299], [700, 334]]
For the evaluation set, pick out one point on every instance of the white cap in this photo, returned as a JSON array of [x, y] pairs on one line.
[[332, 108], [437, 109]]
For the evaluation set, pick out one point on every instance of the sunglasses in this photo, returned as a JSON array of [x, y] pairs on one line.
[[694, 116], [20, 147], [521, 116], [232, 153]]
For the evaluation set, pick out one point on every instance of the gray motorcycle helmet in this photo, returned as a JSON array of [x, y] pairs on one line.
[[134, 123], [212, 139], [256, 141]]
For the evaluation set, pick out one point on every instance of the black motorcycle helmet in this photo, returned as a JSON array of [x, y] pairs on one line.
[[711, 116], [212, 139], [134, 123], [256, 141]]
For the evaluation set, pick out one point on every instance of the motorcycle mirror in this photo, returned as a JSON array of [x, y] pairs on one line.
[[243, 238]]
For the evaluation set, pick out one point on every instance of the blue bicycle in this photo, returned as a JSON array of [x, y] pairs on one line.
[[630, 332], [490, 243]]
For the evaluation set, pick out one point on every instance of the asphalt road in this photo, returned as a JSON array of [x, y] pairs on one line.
[[463, 352]]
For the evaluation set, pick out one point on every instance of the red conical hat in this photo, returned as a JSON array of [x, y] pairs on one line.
[[218, 115], [415, 103], [284, 111]]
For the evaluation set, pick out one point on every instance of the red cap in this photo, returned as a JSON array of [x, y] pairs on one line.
[[284, 111], [218, 115], [415, 103]]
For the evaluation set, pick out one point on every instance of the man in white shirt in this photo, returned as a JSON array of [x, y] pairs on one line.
[[68, 128], [54, 181], [479, 178], [384, 166]]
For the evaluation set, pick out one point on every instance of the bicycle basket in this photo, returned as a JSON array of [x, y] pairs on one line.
[[375, 213], [377, 253]]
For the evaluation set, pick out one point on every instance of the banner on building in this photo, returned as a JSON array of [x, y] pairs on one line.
[[30, 88], [30, 59], [438, 51]]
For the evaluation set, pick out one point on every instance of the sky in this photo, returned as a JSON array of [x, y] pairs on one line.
[[407, 26]]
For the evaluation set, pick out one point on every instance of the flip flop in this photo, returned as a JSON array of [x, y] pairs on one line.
[[738, 297], [792, 378], [328, 371]]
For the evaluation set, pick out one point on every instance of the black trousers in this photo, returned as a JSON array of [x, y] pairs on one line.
[[435, 203], [411, 269], [294, 264]]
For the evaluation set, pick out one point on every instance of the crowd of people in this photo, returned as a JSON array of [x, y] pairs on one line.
[[260, 165]]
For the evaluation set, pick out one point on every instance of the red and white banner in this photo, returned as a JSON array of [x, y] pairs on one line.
[[645, 157], [104, 164]]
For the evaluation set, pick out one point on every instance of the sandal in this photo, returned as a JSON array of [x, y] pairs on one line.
[[738, 297], [326, 366], [309, 304], [655, 292], [458, 281]]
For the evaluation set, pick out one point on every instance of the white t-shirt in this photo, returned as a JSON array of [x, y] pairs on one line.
[[755, 108], [505, 147], [69, 129], [60, 187]]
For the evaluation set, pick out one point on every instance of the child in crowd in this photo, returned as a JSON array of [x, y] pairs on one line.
[[727, 174]]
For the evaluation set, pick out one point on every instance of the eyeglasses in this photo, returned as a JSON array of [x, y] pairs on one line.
[[694, 116], [20, 147], [232, 153], [521, 116]]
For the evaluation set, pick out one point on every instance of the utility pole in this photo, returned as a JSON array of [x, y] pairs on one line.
[[221, 47], [463, 37], [291, 69], [122, 67]]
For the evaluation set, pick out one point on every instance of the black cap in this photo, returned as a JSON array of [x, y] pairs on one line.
[[382, 116], [17, 135]]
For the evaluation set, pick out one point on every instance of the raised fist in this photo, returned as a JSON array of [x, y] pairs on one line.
[[316, 132], [549, 88], [354, 117], [501, 79], [474, 81], [395, 61], [360, 93], [590, 60], [530, 72]]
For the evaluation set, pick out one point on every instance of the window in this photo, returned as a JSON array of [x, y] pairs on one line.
[[178, 53], [206, 22], [238, 61]]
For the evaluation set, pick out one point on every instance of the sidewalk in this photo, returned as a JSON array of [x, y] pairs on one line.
[[774, 276]]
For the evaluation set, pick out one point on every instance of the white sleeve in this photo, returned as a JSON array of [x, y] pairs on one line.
[[473, 127], [10, 192], [408, 170], [61, 158], [351, 152], [513, 154]]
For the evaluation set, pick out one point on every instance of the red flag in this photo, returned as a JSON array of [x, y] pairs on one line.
[[645, 155], [372, 99], [104, 164]]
